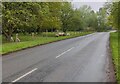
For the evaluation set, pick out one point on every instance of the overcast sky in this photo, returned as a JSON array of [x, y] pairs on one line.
[[94, 4]]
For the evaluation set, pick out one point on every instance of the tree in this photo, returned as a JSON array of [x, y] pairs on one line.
[[66, 15], [54, 18], [93, 21], [114, 16], [102, 19], [76, 21], [17, 15], [113, 10]]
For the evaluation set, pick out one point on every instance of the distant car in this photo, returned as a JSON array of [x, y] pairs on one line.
[[62, 34]]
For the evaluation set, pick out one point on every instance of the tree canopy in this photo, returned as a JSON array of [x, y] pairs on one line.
[[27, 17], [114, 14]]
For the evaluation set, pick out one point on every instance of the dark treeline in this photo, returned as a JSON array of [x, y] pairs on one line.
[[27, 17]]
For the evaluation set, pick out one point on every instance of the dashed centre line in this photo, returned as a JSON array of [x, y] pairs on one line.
[[24, 75], [65, 52], [36, 68]]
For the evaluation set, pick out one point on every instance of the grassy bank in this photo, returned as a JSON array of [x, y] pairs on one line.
[[27, 41], [114, 47]]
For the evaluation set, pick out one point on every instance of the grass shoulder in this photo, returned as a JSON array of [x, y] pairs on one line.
[[115, 56], [27, 41]]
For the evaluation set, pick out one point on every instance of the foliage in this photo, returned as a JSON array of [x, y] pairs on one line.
[[102, 19], [28, 17], [114, 14]]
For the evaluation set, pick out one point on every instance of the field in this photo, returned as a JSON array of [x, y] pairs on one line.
[[114, 47], [29, 41]]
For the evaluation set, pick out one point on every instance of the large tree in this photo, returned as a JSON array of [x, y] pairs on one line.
[[115, 15], [18, 15], [102, 19], [66, 15]]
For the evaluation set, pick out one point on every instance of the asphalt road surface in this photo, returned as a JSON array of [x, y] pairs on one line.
[[81, 59]]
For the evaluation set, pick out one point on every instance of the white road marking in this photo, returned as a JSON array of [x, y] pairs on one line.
[[24, 75], [65, 52]]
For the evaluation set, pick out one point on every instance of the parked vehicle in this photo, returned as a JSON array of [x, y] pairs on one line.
[[62, 34]]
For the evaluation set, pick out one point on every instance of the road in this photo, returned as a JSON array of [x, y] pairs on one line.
[[81, 59]]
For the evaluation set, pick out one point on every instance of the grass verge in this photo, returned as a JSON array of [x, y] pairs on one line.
[[116, 58], [27, 41]]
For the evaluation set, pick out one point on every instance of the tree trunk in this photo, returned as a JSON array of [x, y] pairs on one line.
[[8, 34]]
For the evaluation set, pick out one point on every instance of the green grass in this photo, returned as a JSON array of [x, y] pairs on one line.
[[116, 58], [27, 41]]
